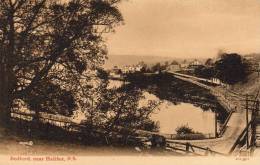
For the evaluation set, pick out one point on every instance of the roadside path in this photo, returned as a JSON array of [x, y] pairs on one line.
[[235, 125]]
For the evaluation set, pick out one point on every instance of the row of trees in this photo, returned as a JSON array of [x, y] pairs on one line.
[[230, 68], [157, 67]]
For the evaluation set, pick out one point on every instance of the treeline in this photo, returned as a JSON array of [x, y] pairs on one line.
[[157, 67], [230, 68]]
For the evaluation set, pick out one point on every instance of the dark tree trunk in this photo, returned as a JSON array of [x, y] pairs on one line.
[[5, 110], [6, 88], [7, 76]]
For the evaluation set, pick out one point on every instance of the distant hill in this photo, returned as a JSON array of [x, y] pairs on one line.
[[123, 60], [255, 55]]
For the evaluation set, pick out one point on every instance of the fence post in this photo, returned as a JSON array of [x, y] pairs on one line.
[[187, 147], [207, 151], [216, 125], [257, 108]]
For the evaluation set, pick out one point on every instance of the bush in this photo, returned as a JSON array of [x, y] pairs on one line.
[[184, 129], [184, 132]]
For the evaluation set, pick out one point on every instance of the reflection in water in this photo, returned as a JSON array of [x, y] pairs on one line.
[[181, 104], [116, 84], [171, 116]]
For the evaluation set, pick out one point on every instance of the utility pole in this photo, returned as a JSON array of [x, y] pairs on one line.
[[253, 126], [247, 142], [258, 70], [216, 125]]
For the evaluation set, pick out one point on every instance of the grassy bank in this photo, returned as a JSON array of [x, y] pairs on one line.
[[250, 85]]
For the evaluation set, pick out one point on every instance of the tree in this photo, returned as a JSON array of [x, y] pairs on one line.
[[123, 107], [52, 99], [144, 66], [57, 43], [116, 109], [166, 64], [157, 67], [209, 62], [231, 68], [204, 72], [175, 62]]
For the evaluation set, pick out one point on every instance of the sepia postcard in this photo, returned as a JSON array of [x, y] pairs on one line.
[[130, 82]]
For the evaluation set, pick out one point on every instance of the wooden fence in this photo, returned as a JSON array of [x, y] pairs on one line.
[[248, 135], [190, 149]]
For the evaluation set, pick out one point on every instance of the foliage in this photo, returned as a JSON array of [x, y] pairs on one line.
[[184, 129], [116, 109], [204, 72], [174, 62], [52, 99], [157, 67], [184, 132], [56, 43], [209, 62], [231, 68]]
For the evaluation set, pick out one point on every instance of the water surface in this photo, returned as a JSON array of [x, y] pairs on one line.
[[171, 116]]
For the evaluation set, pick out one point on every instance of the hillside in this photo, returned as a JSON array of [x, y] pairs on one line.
[[251, 86]]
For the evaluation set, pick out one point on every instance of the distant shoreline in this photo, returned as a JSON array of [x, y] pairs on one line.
[[123, 60]]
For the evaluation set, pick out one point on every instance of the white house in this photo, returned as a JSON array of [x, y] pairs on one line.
[[174, 68]]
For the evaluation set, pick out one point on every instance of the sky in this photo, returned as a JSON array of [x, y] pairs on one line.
[[187, 28]]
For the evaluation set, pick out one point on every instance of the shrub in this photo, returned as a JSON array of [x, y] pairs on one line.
[[184, 132], [184, 129]]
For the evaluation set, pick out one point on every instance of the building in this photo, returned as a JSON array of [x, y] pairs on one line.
[[216, 80], [132, 69], [174, 68], [195, 63], [115, 71], [249, 57], [184, 66]]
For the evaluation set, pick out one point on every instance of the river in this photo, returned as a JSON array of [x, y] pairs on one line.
[[172, 114]]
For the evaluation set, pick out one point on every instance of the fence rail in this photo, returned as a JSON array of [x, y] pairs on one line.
[[192, 136], [196, 150]]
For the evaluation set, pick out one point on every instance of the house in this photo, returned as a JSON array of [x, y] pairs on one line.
[[128, 69], [192, 66], [249, 57], [216, 81], [173, 68], [115, 71], [132, 69], [137, 68], [195, 63], [184, 66]]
